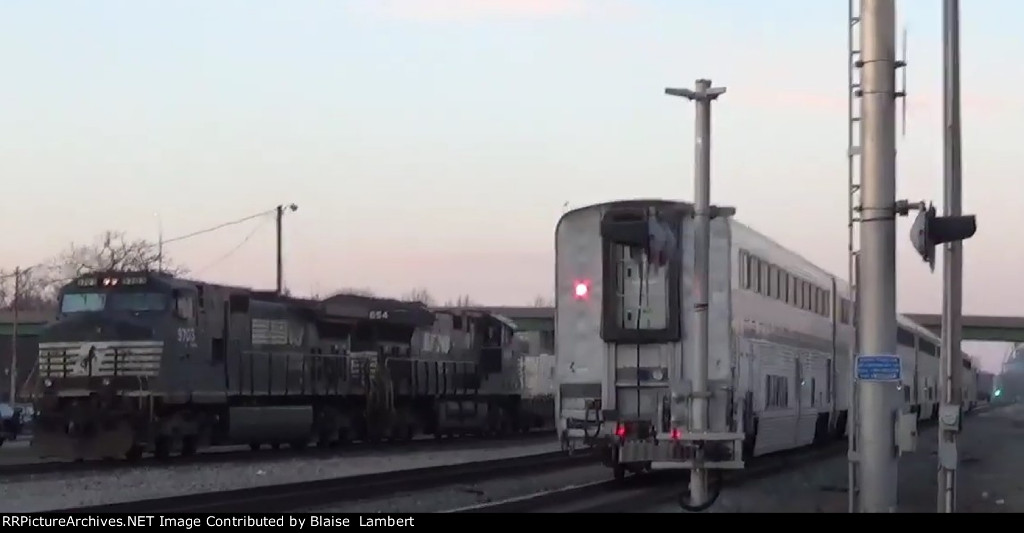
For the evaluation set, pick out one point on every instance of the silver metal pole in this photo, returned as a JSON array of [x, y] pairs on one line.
[[877, 295], [952, 260], [703, 96]]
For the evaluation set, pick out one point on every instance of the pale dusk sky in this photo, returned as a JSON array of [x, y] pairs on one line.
[[433, 143]]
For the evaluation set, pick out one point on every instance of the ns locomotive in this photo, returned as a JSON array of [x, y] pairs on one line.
[[145, 361]]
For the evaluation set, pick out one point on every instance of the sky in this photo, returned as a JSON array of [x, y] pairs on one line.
[[435, 143]]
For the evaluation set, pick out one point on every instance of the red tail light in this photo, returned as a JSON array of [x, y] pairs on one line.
[[620, 430], [581, 289], [676, 434]]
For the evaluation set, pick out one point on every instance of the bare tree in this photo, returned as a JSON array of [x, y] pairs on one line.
[[36, 291], [461, 301], [355, 291], [419, 295], [113, 251], [541, 301]]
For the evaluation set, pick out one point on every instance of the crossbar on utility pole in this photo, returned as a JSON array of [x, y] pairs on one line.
[[952, 263], [702, 95], [876, 297]]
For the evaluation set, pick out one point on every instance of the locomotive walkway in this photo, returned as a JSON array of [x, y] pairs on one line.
[[989, 480]]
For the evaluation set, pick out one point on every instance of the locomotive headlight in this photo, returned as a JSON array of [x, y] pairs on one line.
[[48, 382], [106, 381]]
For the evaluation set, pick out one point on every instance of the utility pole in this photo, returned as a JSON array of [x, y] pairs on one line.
[[160, 243], [878, 363], [280, 244], [702, 95], [952, 262], [15, 303]]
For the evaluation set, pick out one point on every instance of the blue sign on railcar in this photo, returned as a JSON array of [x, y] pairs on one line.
[[879, 368]]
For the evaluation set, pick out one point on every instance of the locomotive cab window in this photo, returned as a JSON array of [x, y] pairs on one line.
[[83, 302], [184, 305], [132, 301]]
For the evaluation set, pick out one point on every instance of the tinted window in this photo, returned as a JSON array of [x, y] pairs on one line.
[[905, 338], [125, 301], [138, 301], [76, 303]]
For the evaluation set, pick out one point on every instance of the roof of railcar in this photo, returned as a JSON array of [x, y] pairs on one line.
[[634, 202]]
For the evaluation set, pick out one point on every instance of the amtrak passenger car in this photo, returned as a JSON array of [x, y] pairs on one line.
[[780, 334]]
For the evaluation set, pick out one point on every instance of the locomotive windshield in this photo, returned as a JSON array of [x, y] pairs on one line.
[[113, 301]]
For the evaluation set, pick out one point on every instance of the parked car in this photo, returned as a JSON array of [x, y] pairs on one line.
[[10, 422]]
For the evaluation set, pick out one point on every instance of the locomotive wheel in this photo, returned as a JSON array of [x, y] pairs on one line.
[[162, 448], [298, 444], [254, 446], [189, 445], [275, 446], [134, 453]]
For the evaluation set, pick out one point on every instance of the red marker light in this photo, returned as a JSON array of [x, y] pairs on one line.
[[676, 434], [620, 430], [580, 290]]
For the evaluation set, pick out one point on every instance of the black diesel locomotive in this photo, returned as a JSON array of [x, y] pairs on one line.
[[146, 361]]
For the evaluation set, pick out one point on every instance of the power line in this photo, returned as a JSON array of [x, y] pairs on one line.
[[237, 247], [166, 241], [219, 226]]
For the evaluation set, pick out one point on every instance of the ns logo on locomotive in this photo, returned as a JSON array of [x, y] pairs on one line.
[[146, 361]]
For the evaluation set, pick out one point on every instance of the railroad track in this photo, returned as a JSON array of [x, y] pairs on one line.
[[357, 449], [638, 493], [313, 494]]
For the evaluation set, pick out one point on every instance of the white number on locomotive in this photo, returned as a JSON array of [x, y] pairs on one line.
[[187, 335]]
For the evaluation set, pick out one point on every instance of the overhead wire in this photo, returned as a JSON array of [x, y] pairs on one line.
[[165, 241], [219, 226], [237, 247]]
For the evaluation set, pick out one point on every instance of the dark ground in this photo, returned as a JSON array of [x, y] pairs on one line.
[[990, 477]]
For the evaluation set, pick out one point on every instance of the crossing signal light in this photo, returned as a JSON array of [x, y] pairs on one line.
[[930, 230]]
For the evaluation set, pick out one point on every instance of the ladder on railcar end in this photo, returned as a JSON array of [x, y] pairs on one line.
[[853, 153]]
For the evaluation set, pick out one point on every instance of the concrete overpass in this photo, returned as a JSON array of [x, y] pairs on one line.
[[978, 327]]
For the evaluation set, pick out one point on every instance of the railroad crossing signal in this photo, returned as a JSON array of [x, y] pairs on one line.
[[930, 230]]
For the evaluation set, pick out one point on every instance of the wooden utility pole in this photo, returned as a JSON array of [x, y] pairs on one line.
[[14, 336]]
